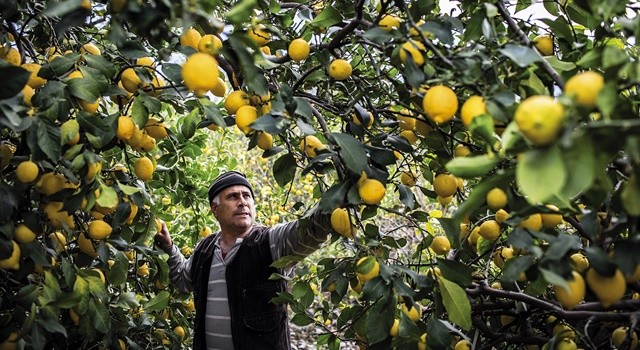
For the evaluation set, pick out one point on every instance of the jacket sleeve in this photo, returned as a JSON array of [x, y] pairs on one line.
[[179, 269], [300, 237]]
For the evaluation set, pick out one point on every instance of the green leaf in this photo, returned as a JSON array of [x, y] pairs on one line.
[[328, 17], [630, 196], [351, 151], [190, 123], [52, 326], [13, 80], [108, 197], [118, 272], [241, 11], [99, 315], [579, 158], [541, 174], [99, 131], [84, 88], [456, 303], [442, 31], [469, 167], [377, 328], [553, 278], [334, 196], [254, 78], [301, 319], [303, 294], [558, 65], [439, 336], [456, 272], [284, 169], [515, 266], [521, 55], [159, 302], [47, 138]]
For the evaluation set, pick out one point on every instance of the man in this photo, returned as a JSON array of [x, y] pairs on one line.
[[229, 271]]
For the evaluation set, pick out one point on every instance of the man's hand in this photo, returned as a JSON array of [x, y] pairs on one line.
[[163, 237]]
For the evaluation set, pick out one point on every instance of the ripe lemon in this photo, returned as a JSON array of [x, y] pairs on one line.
[[89, 107], [204, 232], [180, 332], [13, 261], [445, 185], [501, 216], [143, 168], [440, 104], [27, 95], [408, 178], [414, 313], [244, 117], [585, 87], [579, 262], [357, 121], [58, 218], [210, 44], [59, 241], [259, 35], [471, 108], [551, 220], [99, 229], [574, 293], [544, 44], [130, 80], [220, 89], [422, 344], [389, 22], [422, 128], [156, 129], [265, 141], [87, 246], [414, 49], [462, 345], [608, 289], [146, 62], [13, 57], [143, 270], [200, 73], [367, 268], [371, 191], [566, 344], [341, 223], [27, 171], [235, 100], [410, 136], [299, 49], [340, 69], [24, 234], [533, 222], [444, 201], [620, 334], [70, 132], [34, 80], [540, 118], [310, 144], [406, 121], [90, 48], [496, 199], [440, 245], [395, 328], [490, 230], [191, 38]]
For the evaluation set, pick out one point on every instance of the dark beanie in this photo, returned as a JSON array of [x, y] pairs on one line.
[[228, 179]]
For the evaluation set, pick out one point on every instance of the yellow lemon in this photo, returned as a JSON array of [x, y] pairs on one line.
[[130, 80], [146, 62], [544, 44], [87, 246], [204, 232], [341, 223], [191, 38], [440, 103], [445, 185], [372, 268], [422, 344], [27, 95], [444, 201], [395, 328], [501, 216], [59, 240], [210, 44], [608, 289], [99, 229], [310, 144], [126, 128], [389, 22], [220, 89], [406, 121], [180, 332], [414, 313], [244, 117], [410, 136], [579, 262], [24, 234], [155, 128], [13, 57], [235, 100], [540, 119], [58, 218], [422, 128], [584, 88], [143, 270], [200, 73], [440, 245], [490, 230], [408, 178], [574, 293], [471, 108], [27, 171], [356, 120], [34, 80], [566, 344], [259, 35], [371, 191], [550, 220], [621, 334], [90, 48], [340, 69], [143, 168], [413, 49], [13, 261], [462, 345], [265, 141], [496, 199], [533, 222], [299, 49]]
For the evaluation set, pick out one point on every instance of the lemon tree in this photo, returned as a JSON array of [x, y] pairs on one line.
[[514, 140]]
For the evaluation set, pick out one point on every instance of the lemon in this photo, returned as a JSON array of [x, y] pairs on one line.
[[414, 49], [244, 117], [24, 234], [210, 44], [357, 121], [501, 216], [27, 171], [13, 57], [204, 232], [367, 268], [579, 262], [143, 270], [408, 178], [90, 48], [27, 95], [58, 218], [341, 223], [496, 199], [126, 128], [200, 73], [143, 168], [462, 345], [501, 255], [34, 80], [13, 261], [540, 118], [371, 191], [444, 201], [69, 132], [130, 80], [235, 100], [490, 230], [156, 129], [621, 334], [191, 38], [132, 213], [584, 88], [410, 136], [99, 229], [340, 69], [180, 332], [564, 331], [422, 128], [146, 62], [544, 44], [87, 246], [445, 185], [299, 49], [220, 88], [574, 293], [608, 289], [414, 313], [422, 344], [259, 35], [440, 245], [551, 220], [395, 328], [389, 22], [75, 318], [265, 141], [59, 241], [533, 222], [310, 144], [566, 344], [406, 121], [50, 183], [440, 103], [89, 107], [471, 108]]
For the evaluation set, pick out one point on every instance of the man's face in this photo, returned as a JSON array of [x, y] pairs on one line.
[[236, 211]]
